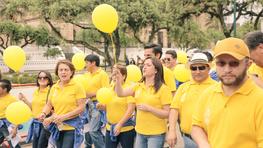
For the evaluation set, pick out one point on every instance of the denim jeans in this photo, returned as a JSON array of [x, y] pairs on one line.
[[42, 140], [126, 139], [149, 141], [189, 143], [66, 139], [94, 136]]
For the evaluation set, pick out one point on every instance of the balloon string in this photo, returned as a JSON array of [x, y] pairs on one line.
[[114, 49]]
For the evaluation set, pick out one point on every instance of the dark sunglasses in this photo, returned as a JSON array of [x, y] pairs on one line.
[[231, 63], [194, 68], [167, 59], [42, 78]]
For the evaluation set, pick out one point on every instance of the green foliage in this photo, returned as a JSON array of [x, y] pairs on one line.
[[24, 78], [189, 36], [52, 52], [244, 29], [22, 35]]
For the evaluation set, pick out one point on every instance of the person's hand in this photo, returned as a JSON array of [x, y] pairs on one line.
[[22, 97], [143, 107], [117, 129], [41, 117], [47, 121], [116, 74], [171, 138], [58, 119], [100, 106]]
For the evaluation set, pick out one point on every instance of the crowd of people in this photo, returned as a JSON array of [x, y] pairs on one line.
[[221, 106]]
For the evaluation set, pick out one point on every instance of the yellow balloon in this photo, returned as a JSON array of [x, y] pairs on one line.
[[134, 73], [18, 113], [104, 95], [78, 61], [82, 80], [105, 18], [181, 73], [181, 57], [14, 57]]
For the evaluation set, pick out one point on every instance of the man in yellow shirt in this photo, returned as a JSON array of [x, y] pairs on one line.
[[254, 41], [229, 114], [185, 99], [98, 78], [154, 50]]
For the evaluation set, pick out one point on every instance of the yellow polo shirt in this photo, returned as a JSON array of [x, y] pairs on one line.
[[146, 122], [116, 109], [96, 81], [39, 101], [254, 69], [185, 101], [64, 99], [232, 122], [169, 78], [4, 102]]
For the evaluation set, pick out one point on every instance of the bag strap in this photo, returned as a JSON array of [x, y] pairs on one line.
[[48, 94]]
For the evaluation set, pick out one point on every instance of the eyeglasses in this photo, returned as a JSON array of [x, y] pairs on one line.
[[231, 63], [167, 59], [42, 78], [194, 68]]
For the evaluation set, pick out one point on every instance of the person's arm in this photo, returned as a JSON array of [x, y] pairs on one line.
[[118, 86], [23, 98], [200, 137], [80, 108], [161, 113], [46, 110], [171, 136], [126, 117]]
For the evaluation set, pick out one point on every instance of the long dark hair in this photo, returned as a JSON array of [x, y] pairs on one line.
[[159, 77], [49, 77]]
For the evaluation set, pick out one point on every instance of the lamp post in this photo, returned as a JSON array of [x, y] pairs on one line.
[[234, 22]]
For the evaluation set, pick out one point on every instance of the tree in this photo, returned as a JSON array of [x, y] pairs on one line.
[[220, 9], [189, 36], [52, 52], [21, 35]]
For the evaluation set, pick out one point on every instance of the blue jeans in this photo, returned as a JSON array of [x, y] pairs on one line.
[[149, 141], [66, 139], [189, 143], [94, 135], [42, 140]]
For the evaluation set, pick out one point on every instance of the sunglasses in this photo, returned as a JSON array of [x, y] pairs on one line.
[[42, 78], [194, 68], [231, 63]]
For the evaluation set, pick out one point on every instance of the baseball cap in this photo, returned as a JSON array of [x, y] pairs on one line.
[[199, 58], [232, 46]]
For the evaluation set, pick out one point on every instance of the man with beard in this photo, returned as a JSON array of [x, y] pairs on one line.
[[230, 114]]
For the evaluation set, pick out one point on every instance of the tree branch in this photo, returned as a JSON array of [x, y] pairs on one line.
[[7, 40], [73, 41], [81, 26], [30, 41]]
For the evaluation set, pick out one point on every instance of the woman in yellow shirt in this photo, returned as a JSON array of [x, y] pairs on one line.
[[120, 126], [153, 98], [67, 98], [37, 131], [5, 100]]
